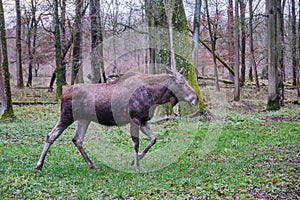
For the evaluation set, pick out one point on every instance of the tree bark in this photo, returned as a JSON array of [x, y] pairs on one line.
[[213, 40], [60, 71], [294, 43], [236, 53], [182, 48], [97, 63], [230, 30], [196, 33], [243, 41], [20, 83], [6, 100], [273, 93], [252, 58], [77, 41]]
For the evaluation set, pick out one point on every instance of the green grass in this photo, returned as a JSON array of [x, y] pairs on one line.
[[242, 156]]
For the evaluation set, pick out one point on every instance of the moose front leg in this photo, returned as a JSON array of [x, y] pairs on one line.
[[146, 130], [134, 131]]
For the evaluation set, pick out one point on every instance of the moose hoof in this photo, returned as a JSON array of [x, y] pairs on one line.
[[38, 167]]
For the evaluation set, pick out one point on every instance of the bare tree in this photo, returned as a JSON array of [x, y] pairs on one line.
[[77, 41], [273, 94], [212, 28], [230, 30], [97, 63], [243, 40], [252, 58], [196, 33], [236, 53], [60, 71], [20, 83], [294, 42], [5, 91], [31, 41]]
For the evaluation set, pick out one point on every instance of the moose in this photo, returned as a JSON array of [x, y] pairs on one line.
[[130, 99]]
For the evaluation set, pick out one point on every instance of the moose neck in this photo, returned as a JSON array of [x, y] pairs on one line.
[[161, 94]]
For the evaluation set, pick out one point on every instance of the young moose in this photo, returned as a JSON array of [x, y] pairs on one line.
[[130, 99]]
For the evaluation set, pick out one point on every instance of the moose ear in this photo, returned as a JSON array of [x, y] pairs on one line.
[[181, 71]]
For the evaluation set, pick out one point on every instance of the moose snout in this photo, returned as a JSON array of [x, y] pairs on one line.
[[193, 99]]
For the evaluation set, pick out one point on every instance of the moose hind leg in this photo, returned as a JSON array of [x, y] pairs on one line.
[[80, 132], [51, 137]]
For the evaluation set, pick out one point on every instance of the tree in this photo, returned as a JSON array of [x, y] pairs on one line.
[[243, 41], [97, 63], [298, 75], [182, 47], [77, 41], [273, 93], [281, 68], [230, 30], [20, 83], [5, 91], [60, 71], [294, 43], [252, 58], [196, 33], [31, 41], [213, 39], [236, 53]]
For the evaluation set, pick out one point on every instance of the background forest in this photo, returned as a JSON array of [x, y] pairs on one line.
[[242, 58]]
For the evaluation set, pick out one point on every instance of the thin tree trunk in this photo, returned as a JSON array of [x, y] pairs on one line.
[[20, 83], [298, 75], [253, 62], [6, 100], [294, 42], [281, 70], [243, 41], [236, 54], [213, 39], [58, 52], [230, 30], [97, 63], [77, 40], [196, 33], [168, 4]]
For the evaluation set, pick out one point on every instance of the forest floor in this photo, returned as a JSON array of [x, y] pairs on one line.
[[244, 152]]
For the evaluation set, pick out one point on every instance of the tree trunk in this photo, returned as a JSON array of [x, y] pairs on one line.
[[294, 43], [281, 70], [273, 95], [6, 100], [168, 4], [97, 63], [243, 41], [60, 71], [31, 42], [196, 33], [77, 40], [213, 40], [252, 58], [266, 62], [183, 51], [230, 30], [236, 53], [298, 75], [20, 83]]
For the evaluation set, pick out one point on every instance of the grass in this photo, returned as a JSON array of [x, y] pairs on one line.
[[253, 155]]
